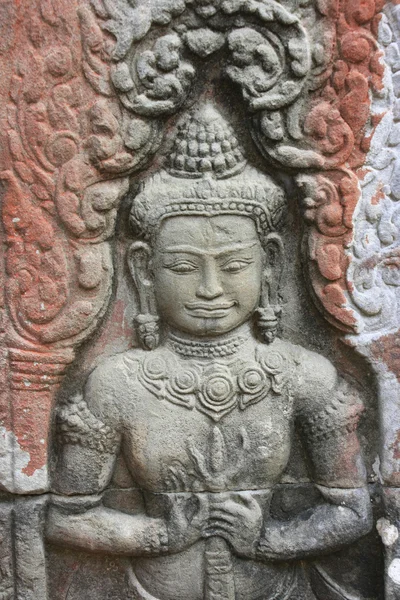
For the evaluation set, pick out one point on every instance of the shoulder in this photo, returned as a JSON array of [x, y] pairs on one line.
[[132, 374], [88, 432], [111, 371], [127, 364], [113, 377], [103, 392], [320, 393], [308, 371], [325, 401]]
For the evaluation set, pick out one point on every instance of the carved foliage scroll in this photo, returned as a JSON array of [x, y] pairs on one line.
[[71, 145], [93, 88], [374, 269]]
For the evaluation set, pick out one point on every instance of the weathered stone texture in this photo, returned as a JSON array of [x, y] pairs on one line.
[[199, 283]]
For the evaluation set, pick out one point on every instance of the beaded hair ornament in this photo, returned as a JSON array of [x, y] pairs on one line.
[[207, 175]]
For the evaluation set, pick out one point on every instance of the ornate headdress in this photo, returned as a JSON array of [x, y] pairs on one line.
[[207, 175]]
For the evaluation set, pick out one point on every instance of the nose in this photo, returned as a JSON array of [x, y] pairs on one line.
[[210, 285]]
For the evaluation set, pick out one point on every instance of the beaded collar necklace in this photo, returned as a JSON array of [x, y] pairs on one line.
[[209, 349]]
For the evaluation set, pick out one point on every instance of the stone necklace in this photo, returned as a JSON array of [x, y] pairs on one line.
[[210, 376]]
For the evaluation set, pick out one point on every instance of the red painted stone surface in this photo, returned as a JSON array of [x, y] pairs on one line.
[[387, 350], [64, 165], [338, 127]]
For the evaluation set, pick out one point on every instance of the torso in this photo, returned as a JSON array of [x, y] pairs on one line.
[[206, 425], [242, 440]]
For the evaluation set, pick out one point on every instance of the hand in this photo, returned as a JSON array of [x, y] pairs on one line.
[[238, 518], [186, 518]]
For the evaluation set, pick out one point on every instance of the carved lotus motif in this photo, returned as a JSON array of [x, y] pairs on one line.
[[252, 380], [154, 370], [155, 367], [272, 362], [181, 387], [254, 385], [185, 382], [215, 389], [218, 393]]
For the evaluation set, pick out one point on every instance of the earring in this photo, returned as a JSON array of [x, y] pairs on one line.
[[148, 329], [147, 323], [268, 320], [269, 312]]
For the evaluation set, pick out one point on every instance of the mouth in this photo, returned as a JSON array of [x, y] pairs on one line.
[[209, 311]]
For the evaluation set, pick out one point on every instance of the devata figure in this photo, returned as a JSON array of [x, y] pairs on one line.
[[204, 413]]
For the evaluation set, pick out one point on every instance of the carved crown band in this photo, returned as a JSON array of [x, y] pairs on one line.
[[165, 197], [207, 175]]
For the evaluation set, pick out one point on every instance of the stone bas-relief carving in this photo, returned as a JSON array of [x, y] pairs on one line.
[[204, 413], [220, 460]]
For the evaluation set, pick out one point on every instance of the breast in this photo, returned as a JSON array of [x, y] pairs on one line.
[[170, 448]]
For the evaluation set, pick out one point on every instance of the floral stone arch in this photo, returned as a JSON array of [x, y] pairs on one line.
[[90, 87], [91, 92]]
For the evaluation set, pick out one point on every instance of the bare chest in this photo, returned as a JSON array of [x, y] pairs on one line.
[[171, 448]]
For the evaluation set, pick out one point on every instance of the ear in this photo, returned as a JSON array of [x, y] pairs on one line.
[[139, 261], [275, 264]]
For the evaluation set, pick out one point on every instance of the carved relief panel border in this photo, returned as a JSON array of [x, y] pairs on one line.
[[92, 89]]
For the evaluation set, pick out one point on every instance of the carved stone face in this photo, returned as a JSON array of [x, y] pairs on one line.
[[207, 273]]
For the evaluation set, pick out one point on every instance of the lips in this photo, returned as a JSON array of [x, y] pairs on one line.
[[209, 311]]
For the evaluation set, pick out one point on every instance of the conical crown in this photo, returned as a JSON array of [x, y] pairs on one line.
[[207, 175], [206, 144]]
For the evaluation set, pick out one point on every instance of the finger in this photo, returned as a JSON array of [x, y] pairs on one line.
[[203, 509], [248, 500], [216, 532], [171, 483], [183, 478], [202, 513], [223, 516], [230, 506], [173, 479], [207, 533], [220, 498], [234, 511], [223, 524], [176, 505], [176, 510]]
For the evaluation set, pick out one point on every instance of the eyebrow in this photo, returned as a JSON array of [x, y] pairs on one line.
[[186, 249]]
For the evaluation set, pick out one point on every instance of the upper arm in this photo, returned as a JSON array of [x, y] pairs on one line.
[[328, 411], [87, 437]]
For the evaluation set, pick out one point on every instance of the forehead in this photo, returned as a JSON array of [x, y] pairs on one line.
[[206, 232]]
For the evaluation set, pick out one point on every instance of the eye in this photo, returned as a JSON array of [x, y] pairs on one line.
[[234, 266], [182, 267]]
